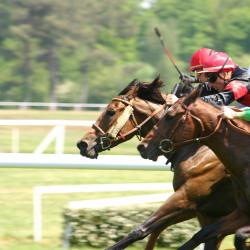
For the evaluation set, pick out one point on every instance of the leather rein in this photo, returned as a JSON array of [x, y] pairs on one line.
[[172, 145]]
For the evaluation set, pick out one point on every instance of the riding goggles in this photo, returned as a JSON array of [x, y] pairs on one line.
[[212, 77]]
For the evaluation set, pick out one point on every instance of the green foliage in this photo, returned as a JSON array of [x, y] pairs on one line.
[[234, 31], [78, 51], [104, 227]]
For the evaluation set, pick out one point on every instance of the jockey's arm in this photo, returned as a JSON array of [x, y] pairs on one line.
[[222, 98], [187, 79], [244, 114], [234, 90]]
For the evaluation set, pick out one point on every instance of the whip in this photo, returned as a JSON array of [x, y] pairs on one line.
[[167, 52]]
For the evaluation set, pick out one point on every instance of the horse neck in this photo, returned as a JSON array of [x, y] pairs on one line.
[[229, 144], [183, 153], [207, 114], [145, 109]]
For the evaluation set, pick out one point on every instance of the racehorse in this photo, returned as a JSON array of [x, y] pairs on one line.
[[202, 187], [191, 120], [133, 112]]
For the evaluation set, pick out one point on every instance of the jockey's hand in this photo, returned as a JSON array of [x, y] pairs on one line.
[[186, 79], [228, 113], [171, 99]]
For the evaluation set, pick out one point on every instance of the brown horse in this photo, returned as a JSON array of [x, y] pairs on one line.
[[192, 120], [134, 111], [202, 188]]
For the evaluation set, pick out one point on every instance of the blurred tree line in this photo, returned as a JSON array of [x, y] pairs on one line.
[[87, 51]]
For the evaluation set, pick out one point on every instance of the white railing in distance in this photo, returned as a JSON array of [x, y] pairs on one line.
[[57, 133], [96, 188], [51, 105]]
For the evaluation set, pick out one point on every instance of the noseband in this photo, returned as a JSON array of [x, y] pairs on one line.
[[167, 145], [113, 134]]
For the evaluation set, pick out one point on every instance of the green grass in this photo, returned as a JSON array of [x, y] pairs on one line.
[[16, 200], [16, 221]]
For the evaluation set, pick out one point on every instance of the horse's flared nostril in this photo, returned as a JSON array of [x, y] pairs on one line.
[[82, 145], [141, 148]]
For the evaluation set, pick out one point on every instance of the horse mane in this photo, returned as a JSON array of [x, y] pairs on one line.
[[191, 97], [183, 89], [146, 91], [151, 92], [133, 83]]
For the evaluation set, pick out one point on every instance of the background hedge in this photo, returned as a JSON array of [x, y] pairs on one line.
[[104, 227]]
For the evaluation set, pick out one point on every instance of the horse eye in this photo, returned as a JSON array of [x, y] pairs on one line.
[[110, 112]]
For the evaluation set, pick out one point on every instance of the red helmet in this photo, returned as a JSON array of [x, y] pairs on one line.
[[197, 59], [218, 61]]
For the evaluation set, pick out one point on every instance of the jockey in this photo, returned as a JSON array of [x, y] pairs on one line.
[[196, 64], [229, 80], [223, 80]]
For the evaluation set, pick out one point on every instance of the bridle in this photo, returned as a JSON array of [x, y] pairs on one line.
[[167, 145], [113, 134]]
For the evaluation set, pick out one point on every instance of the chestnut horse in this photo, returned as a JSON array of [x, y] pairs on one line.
[[134, 111], [192, 120], [202, 187]]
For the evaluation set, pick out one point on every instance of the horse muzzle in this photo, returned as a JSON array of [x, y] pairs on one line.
[[87, 150], [142, 150], [82, 146]]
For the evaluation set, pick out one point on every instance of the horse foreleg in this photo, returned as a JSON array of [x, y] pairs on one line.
[[153, 238], [136, 234], [204, 219], [213, 244], [225, 226], [175, 209]]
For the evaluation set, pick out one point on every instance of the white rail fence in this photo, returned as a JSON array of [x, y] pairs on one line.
[[74, 161], [39, 191], [57, 132], [53, 106]]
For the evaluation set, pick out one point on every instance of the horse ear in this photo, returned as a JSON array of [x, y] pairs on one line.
[[157, 82], [157, 78], [130, 85], [193, 95]]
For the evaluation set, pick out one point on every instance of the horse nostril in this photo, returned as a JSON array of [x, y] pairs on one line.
[[141, 148], [82, 145]]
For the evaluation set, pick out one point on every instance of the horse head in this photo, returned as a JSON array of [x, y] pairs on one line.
[[132, 112], [182, 89], [186, 121]]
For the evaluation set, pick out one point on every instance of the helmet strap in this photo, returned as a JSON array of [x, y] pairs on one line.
[[224, 64], [223, 78]]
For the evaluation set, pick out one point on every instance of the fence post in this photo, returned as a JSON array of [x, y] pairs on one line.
[[15, 140], [37, 214], [56, 133]]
